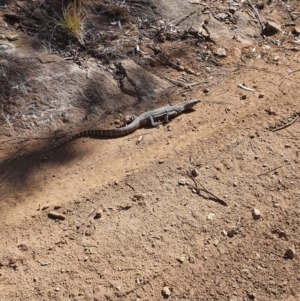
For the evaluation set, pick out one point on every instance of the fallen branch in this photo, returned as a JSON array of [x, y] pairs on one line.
[[285, 125], [288, 75], [262, 24]]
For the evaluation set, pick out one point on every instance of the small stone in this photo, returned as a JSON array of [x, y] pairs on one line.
[[46, 206], [12, 37], [181, 259], [276, 58], [216, 242], [205, 90], [117, 121], [210, 216], [98, 213], [221, 52], [56, 215], [224, 232], [260, 5], [112, 67], [166, 292], [244, 96], [272, 27], [221, 16], [261, 95], [276, 205], [161, 161], [195, 172], [294, 16], [231, 233], [192, 259], [290, 253], [57, 289], [56, 207], [182, 181], [256, 214], [296, 30]]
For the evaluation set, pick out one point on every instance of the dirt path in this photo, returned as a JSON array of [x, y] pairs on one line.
[[155, 237]]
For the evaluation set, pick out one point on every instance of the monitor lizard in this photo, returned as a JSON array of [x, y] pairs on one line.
[[153, 118]]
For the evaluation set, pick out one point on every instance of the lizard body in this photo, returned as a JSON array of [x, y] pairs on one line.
[[153, 118]]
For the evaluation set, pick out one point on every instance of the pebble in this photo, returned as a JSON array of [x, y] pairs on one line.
[[272, 26], [46, 206], [231, 233], [216, 242], [166, 292], [221, 52], [205, 90], [12, 37], [192, 259], [195, 172], [296, 30], [244, 96], [182, 181], [290, 253], [224, 232], [98, 213], [210, 216], [294, 16], [56, 215], [261, 95], [181, 259], [256, 214]]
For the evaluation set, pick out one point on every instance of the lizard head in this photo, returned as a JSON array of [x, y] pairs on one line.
[[190, 103]]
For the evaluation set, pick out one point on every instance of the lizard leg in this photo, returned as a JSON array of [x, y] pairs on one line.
[[166, 118], [153, 123]]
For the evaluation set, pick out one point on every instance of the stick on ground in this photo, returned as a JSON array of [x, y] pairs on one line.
[[286, 125]]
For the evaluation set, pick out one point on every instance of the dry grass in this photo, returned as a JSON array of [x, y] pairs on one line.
[[72, 18]]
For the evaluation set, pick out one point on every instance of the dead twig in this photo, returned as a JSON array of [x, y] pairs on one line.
[[265, 173], [285, 125], [174, 82], [292, 72], [198, 190], [246, 88], [262, 24], [181, 19]]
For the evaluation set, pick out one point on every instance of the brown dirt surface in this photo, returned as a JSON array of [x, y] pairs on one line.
[[160, 233]]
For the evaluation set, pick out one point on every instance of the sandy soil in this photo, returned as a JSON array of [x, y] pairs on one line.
[[155, 238]]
